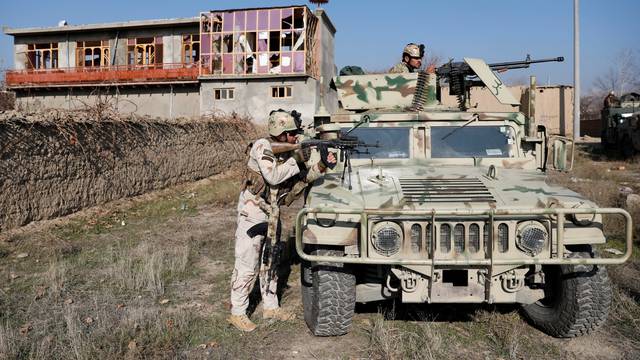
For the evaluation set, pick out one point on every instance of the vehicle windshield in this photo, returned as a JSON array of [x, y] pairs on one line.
[[393, 143], [472, 141]]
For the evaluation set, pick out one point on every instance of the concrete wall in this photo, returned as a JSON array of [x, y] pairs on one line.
[[162, 101], [20, 59], [554, 109], [327, 64], [252, 97]]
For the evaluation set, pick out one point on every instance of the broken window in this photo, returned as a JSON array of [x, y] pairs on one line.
[[144, 51], [257, 41], [93, 53], [223, 94], [190, 48], [281, 91], [42, 56]]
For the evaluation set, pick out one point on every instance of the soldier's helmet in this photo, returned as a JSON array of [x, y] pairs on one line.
[[281, 121], [414, 50]]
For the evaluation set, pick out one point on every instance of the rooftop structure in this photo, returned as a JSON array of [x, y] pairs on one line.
[[240, 60]]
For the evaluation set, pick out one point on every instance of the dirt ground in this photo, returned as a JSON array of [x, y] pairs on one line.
[[148, 277]]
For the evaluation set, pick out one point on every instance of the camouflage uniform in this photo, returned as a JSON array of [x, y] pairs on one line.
[[401, 67], [611, 101], [267, 174]]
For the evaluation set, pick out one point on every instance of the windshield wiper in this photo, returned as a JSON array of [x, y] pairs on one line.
[[475, 118], [365, 119]]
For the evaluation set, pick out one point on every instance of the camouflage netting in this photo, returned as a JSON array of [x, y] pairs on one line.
[[57, 162]]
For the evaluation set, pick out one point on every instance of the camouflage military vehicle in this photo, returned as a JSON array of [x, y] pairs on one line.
[[451, 207], [621, 125]]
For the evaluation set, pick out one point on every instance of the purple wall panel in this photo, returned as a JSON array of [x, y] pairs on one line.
[[227, 64], [274, 19], [239, 24], [205, 43], [252, 20], [227, 21], [263, 20], [298, 62]]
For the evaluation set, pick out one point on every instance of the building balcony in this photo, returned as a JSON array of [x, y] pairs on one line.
[[107, 75]]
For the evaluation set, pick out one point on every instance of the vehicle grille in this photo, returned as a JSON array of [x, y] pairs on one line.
[[445, 190], [458, 238]]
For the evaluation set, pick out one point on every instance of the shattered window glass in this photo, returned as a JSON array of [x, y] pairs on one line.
[[255, 41]]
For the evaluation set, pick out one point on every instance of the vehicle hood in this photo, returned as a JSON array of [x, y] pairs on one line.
[[426, 187]]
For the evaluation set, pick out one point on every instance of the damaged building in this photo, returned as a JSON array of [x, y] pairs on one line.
[[247, 61]]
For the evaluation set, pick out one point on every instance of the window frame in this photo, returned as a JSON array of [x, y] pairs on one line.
[[287, 91], [229, 94], [37, 56], [104, 51], [151, 52], [188, 42]]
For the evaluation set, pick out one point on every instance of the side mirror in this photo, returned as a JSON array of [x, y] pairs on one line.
[[562, 150]]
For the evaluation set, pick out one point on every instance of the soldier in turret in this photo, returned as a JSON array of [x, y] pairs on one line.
[[412, 55], [611, 100], [269, 179]]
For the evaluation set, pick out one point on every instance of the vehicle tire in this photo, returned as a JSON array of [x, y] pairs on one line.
[[604, 141], [577, 301], [328, 294], [626, 147]]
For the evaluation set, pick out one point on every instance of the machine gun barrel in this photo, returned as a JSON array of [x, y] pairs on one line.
[[522, 64]]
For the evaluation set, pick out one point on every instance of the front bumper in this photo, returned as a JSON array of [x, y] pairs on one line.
[[558, 236]]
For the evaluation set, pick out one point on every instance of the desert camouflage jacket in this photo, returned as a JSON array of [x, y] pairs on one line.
[[400, 67]]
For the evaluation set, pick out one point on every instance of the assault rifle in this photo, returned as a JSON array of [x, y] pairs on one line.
[[460, 75], [348, 145]]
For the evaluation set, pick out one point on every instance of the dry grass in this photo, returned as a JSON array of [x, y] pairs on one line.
[[147, 267], [119, 292], [403, 340], [504, 333], [600, 179]]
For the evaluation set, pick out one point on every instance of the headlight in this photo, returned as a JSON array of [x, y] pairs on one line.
[[532, 237], [386, 237]]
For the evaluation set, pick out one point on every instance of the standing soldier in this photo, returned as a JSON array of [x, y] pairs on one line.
[[268, 178], [411, 60]]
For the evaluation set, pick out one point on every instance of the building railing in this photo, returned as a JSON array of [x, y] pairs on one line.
[[102, 74]]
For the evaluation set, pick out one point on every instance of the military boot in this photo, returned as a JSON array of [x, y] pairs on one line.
[[241, 322], [277, 314]]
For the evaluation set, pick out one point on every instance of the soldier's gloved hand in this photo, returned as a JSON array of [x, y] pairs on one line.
[[327, 158]]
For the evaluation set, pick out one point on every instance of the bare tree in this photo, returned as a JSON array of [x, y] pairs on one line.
[[623, 75]]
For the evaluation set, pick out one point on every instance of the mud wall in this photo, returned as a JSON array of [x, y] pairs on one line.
[[51, 165]]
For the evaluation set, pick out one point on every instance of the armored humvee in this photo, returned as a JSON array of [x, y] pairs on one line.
[[621, 125], [451, 206]]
